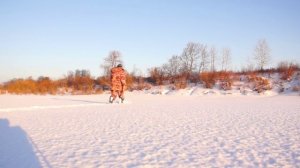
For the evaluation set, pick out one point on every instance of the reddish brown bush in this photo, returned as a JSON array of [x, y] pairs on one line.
[[98, 91], [104, 82], [287, 74], [180, 83], [226, 80], [138, 83], [208, 78], [20, 86], [141, 86], [43, 85], [46, 86], [287, 70], [83, 83], [130, 81], [296, 88], [157, 75], [260, 84], [1, 89]]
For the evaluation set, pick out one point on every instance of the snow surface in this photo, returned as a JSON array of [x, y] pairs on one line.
[[176, 130]]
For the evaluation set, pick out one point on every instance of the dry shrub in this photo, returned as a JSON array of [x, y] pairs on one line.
[[226, 80], [129, 81], [251, 76], [104, 82], [1, 89], [61, 83], [80, 82], [145, 86], [296, 88], [137, 83], [62, 90], [22, 86], [287, 74], [260, 84], [46, 86], [226, 85], [83, 84], [194, 78], [208, 78], [157, 75], [98, 91], [287, 70], [180, 83], [281, 89], [141, 86]]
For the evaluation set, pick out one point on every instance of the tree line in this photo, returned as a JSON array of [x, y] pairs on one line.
[[198, 63]]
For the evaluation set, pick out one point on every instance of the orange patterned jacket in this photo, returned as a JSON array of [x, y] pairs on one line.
[[118, 79]]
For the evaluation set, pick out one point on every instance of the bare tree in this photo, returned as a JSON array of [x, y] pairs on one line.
[[213, 56], [112, 60], [204, 58], [249, 65], [262, 54], [226, 59], [190, 57], [174, 65], [157, 75]]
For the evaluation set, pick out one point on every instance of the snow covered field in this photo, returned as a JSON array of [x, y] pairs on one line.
[[150, 131]]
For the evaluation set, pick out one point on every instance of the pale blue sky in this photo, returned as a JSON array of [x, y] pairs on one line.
[[52, 37]]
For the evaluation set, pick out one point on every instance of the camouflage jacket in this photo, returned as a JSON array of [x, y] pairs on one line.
[[118, 79]]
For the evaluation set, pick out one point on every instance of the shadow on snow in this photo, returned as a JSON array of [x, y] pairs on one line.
[[17, 149]]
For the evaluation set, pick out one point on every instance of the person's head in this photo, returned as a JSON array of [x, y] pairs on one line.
[[119, 65]]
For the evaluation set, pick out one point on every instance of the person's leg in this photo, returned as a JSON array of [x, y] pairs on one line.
[[121, 95], [113, 96]]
